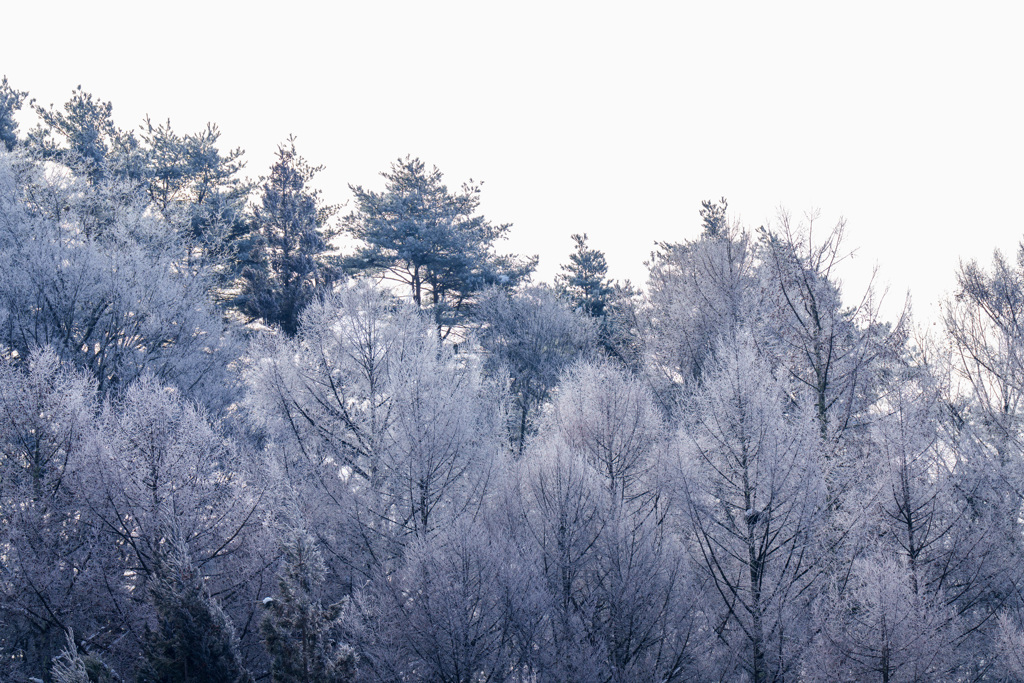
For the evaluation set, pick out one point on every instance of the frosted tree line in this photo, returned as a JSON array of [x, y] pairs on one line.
[[230, 452]]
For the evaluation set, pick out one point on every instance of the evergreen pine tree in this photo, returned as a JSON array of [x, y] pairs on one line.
[[197, 188], [584, 280], [299, 632], [431, 240], [10, 102], [712, 216], [194, 641], [83, 136], [286, 263]]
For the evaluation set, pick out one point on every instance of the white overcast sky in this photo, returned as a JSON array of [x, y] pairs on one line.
[[610, 119]]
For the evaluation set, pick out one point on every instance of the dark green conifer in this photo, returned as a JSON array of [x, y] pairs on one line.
[[713, 218], [286, 254], [431, 240], [10, 102], [584, 282], [301, 635], [194, 640]]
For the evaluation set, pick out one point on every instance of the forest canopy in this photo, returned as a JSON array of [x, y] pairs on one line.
[[233, 450]]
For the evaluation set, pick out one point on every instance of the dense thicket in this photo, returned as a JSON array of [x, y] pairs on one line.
[[228, 452]]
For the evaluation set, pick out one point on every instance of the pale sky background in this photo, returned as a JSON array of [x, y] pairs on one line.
[[905, 118]]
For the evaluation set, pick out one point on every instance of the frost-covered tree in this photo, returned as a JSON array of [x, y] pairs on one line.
[[610, 420], [301, 634], [984, 332], [561, 522], [598, 594], [1009, 649], [324, 395], [920, 602], [47, 410], [912, 479], [68, 666], [645, 598], [50, 557], [984, 323], [976, 557], [621, 331], [697, 293], [194, 187], [115, 304], [834, 352], [754, 498], [604, 589], [431, 240], [445, 615], [287, 255], [444, 438], [167, 474], [883, 629], [387, 433], [639, 583], [530, 337]]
